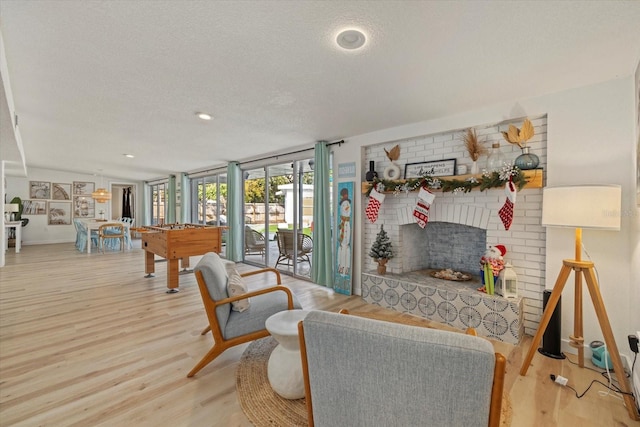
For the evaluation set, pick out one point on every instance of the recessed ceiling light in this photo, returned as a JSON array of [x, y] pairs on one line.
[[351, 39], [204, 116], [131, 156]]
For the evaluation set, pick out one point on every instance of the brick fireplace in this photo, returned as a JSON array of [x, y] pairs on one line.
[[460, 228]]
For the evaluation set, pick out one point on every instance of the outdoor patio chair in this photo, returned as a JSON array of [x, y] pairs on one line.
[[254, 242], [303, 247]]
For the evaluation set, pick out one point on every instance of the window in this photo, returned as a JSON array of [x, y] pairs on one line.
[[209, 200], [158, 193]]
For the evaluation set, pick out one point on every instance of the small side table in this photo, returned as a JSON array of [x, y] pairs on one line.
[[284, 369], [18, 226]]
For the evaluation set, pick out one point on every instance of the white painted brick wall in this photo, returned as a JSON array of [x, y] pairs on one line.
[[525, 241]]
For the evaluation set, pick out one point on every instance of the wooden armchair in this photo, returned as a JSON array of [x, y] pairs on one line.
[[404, 375], [287, 252], [230, 328]]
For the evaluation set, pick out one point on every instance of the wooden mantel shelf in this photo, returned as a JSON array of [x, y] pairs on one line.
[[534, 180]]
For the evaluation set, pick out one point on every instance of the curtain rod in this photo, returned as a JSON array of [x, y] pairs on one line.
[[275, 156], [329, 144]]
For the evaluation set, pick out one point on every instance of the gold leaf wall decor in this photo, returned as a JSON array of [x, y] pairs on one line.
[[394, 153], [519, 136]]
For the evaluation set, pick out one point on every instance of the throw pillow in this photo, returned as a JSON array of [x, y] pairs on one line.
[[236, 287]]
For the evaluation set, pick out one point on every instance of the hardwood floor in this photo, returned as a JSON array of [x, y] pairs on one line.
[[85, 340]]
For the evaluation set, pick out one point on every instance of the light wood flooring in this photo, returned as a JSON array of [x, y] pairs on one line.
[[85, 340]]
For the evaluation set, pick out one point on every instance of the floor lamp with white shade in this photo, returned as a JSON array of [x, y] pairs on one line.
[[578, 207]]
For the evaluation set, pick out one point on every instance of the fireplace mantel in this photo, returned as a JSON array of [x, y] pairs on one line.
[[534, 177]]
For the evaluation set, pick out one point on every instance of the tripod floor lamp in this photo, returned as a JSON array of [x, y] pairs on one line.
[[578, 207]]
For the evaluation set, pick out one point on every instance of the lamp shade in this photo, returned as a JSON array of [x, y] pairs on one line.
[[583, 206], [101, 195], [11, 207]]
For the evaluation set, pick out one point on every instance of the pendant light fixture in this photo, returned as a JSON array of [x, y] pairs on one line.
[[101, 195]]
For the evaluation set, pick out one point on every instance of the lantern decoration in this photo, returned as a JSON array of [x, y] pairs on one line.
[[101, 195], [508, 287]]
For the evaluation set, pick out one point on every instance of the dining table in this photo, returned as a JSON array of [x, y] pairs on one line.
[[94, 225]]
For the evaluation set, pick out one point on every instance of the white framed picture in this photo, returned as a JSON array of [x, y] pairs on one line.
[[60, 191], [34, 207], [84, 207], [39, 190], [59, 213]]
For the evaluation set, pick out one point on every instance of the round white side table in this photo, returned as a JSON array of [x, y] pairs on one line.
[[284, 369]]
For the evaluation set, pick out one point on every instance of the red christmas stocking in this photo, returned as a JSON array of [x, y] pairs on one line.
[[373, 207], [421, 211], [506, 211]]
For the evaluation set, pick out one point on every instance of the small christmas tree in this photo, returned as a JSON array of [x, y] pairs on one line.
[[381, 248]]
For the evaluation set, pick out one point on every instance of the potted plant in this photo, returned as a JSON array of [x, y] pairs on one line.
[[381, 250]]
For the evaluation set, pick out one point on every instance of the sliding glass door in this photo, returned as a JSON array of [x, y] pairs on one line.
[[209, 202], [278, 212], [256, 220]]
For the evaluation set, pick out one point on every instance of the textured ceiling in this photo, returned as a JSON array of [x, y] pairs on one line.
[[92, 80]]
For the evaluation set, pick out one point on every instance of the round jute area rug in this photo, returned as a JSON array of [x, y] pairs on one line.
[[264, 408], [259, 402]]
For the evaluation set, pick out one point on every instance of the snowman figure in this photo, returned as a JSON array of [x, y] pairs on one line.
[[344, 235]]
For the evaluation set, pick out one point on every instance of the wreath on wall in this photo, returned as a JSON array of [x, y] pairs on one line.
[[486, 181]]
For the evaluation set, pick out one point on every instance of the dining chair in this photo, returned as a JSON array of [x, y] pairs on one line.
[[112, 232], [81, 235]]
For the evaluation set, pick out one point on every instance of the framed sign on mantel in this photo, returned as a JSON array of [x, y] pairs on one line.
[[434, 168]]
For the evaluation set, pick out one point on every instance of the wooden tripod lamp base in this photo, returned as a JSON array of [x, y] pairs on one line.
[[586, 269]]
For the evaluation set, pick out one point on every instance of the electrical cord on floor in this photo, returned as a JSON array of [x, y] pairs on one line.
[[613, 387], [606, 374]]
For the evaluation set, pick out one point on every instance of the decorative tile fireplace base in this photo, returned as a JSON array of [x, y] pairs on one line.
[[457, 304]]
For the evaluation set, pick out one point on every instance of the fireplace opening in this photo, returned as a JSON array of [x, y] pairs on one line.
[[443, 245]]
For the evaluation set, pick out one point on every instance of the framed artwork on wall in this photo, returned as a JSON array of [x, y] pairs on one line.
[[84, 207], [82, 188], [39, 190], [60, 191], [34, 207], [59, 213]]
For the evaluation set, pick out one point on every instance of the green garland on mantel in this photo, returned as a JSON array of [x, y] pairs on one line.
[[486, 181]]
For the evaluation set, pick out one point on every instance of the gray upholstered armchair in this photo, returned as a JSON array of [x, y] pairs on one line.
[[229, 327], [363, 372]]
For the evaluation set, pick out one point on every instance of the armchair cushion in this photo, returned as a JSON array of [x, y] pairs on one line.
[[262, 306], [236, 287]]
